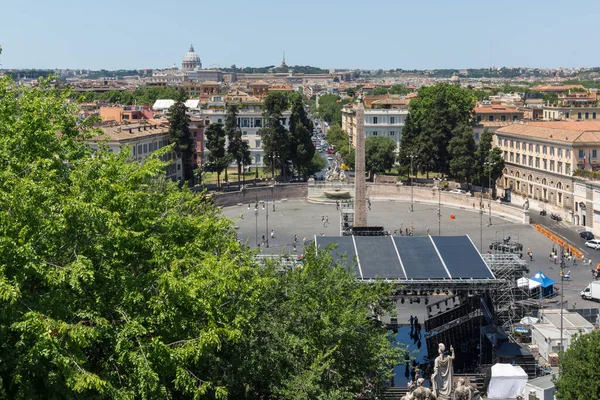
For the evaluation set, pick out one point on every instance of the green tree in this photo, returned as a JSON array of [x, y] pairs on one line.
[[302, 150], [330, 108], [481, 155], [237, 148], [275, 137], [379, 91], [495, 166], [317, 164], [399, 89], [579, 376], [218, 158], [462, 153], [336, 79], [179, 130], [337, 137], [434, 115], [351, 92], [380, 154]]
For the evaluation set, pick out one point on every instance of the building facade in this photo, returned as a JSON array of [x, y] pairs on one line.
[[386, 122], [540, 158], [143, 139], [497, 113], [555, 113]]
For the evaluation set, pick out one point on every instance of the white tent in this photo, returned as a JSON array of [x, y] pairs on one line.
[[528, 283], [162, 104], [507, 382], [529, 320]]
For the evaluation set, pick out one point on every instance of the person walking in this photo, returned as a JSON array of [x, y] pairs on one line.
[[272, 234], [327, 219], [295, 239], [411, 319], [530, 255], [575, 260]]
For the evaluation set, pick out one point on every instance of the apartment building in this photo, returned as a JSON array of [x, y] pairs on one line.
[[143, 139], [497, 113], [553, 113], [540, 159], [384, 117], [250, 119]]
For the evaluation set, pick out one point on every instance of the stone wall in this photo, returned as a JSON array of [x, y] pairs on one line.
[[274, 192], [430, 195]]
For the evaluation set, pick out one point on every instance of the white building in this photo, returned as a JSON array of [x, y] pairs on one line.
[[386, 122], [250, 120], [546, 333], [143, 139]]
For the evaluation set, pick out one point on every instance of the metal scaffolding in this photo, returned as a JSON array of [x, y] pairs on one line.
[[507, 297]]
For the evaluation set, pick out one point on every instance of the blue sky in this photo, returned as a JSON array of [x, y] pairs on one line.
[[386, 34]]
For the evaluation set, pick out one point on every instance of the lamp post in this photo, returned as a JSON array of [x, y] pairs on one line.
[[256, 221], [439, 211], [481, 224], [562, 285], [412, 157], [266, 207], [490, 164]]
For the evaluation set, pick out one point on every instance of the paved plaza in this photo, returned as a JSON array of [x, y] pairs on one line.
[[303, 219]]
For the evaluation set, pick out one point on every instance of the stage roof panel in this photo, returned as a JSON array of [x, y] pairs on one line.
[[461, 257], [344, 253], [419, 258], [378, 258]]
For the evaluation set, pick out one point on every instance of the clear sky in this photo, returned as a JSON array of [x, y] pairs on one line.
[[424, 34]]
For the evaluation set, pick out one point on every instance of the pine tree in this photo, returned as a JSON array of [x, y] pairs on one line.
[[218, 159], [237, 148], [179, 130], [302, 150]]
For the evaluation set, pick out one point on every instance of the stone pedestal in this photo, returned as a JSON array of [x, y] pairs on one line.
[[360, 189], [526, 217]]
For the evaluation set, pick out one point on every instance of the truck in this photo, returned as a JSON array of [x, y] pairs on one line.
[[591, 292]]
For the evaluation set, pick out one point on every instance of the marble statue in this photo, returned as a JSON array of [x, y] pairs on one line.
[[443, 373], [462, 391], [422, 392]]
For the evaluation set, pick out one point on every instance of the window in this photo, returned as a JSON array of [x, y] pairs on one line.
[[512, 156], [245, 123], [499, 142], [567, 115], [139, 151], [568, 168], [559, 170], [506, 156], [568, 153], [518, 145], [503, 118], [392, 133], [594, 115], [133, 150], [587, 115], [505, 142], [537, 162], [220, 121], [530, 161], [375, 132], [581, 153], [257, 159], [594, 153], [551, 151], [479, 118], [476, 135], [515, 118], [545, 164], [524, 159], [258, 123], [551, 166], [544, 150], [518, 158], [491, 118], [257, 142], [512, 144], [145, 148], [537, 148], [392, 120], [374, 120], [559, 152], [530, 147], [578, 115]]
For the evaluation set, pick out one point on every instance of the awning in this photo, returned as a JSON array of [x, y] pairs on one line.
[[528, 283]]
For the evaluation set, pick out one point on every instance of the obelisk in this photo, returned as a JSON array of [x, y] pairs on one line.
[[360, 189]]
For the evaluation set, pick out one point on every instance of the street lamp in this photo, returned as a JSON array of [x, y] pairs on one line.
[[481, 224], [266, 207], [412, 157], [490, 164], [256, 221], [439, 211]]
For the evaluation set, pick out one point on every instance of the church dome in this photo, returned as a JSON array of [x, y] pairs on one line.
[[191, 60]]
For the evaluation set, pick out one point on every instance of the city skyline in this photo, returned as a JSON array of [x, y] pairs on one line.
[[388, 35]]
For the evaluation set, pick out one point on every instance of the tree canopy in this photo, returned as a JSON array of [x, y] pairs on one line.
[[380, 154], [218, 159], [579, 376], [117, 284], [179, 130], [330, 108], [237, 148]]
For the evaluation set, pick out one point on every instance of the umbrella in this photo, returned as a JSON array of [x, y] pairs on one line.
[[529, 320]]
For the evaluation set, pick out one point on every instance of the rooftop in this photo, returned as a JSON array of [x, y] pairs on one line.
[[495, 109], [124, 132], [559, 131]]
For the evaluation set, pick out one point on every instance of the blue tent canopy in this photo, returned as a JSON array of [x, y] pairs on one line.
[[543, 279]]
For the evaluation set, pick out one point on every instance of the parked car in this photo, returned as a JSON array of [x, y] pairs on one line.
[[556, 217], [458, 191], [586, 235], [594, 244]]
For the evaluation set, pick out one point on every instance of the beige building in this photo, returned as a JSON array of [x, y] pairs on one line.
[[554, 113], [143, 139], [540, 158]]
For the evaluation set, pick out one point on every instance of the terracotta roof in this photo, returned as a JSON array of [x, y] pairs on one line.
[[495, 109], [258, 83], [555, 88], [126, 132], [559, 131], [210, 83]]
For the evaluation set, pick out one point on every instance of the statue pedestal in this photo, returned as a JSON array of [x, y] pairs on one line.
[[526, 217]]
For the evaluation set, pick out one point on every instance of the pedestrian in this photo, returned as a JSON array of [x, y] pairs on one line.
[[395, 232], [272, 234], [406, 231], [327, 219], [411, 319], [294, 247], [295, 239], [555, 258], [304, 239], [263, 237], [274, 208], [574, 260], [574, 306], [530, 255]]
